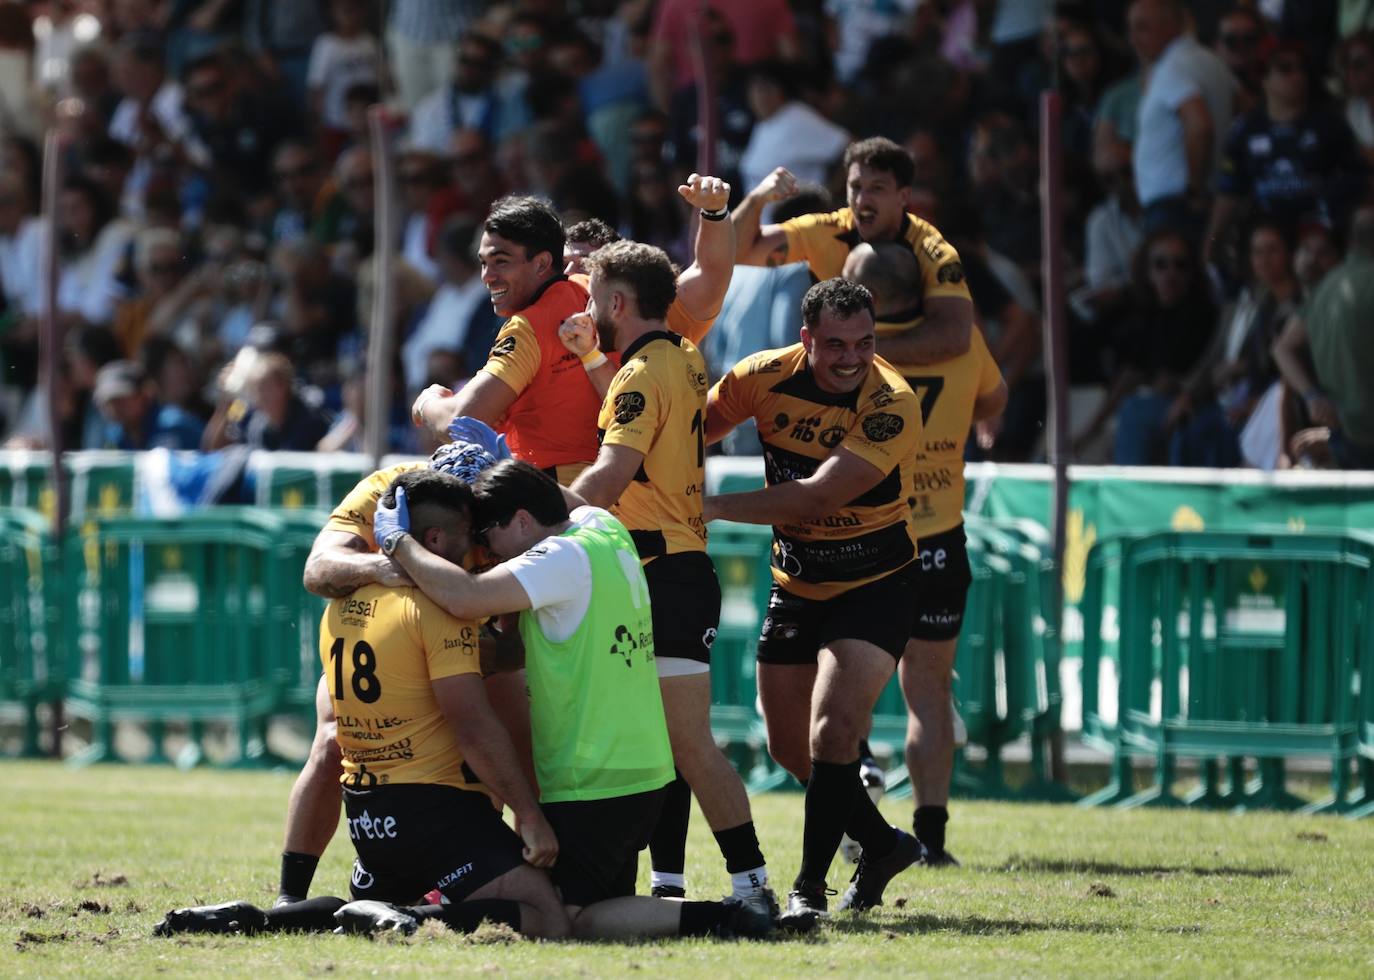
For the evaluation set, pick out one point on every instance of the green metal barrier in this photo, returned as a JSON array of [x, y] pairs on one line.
[[741, 553], [1236, 644], [171, 622], [31, 667]]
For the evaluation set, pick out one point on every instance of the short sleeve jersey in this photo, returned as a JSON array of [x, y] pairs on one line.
[[800, 425], [946, 391], [553, 419], [824, 241], [381, 648], [681, 322], [355, 512], [656, 404]]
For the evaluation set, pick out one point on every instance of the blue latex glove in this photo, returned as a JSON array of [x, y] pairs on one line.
[[390, 523], [465, 460], [467, 429]]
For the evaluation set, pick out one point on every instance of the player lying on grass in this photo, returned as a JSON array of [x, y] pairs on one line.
[[423, 752]]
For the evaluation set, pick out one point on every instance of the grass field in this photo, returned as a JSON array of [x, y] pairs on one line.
[[90, 860]]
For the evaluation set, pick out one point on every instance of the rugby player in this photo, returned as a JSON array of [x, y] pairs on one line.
[[424, 757], [344, 558], [953, 394], [878, 175], [839, 428], [531, 388], [650, 472], [601, 744]]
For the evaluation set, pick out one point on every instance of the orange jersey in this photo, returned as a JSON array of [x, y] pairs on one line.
[[552, 422]]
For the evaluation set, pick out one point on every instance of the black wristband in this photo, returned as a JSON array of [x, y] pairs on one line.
[[720, 215]]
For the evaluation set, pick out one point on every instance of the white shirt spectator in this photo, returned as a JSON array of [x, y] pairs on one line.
[[20, 257], [414, 240], [433, 122], [796, 137], [166, 109], [858, 24], [1112, 238], [1184, 70], [337, 64], [88, 285], [444, 326]]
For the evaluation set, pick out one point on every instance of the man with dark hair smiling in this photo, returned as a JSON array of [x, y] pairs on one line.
[[530, 379], [839, 428], [878, 176]]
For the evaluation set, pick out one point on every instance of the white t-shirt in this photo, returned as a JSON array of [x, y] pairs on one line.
[[796, 137], [20, 256], [557, 576], [1184, 70], [166, 108], [88, 284], [337, 64], [444, 326]]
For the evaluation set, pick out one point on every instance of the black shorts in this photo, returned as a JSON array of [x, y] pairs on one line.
[[879, 612], [412, 838], [940, 586], [684, 595], [599, 843]]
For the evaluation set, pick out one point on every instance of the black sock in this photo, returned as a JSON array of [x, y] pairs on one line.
[[668, 846], [297, 871], [866, 825], [865, 752], [831, 793], [467, 916], [740, 846], [929, 825], [308, 915], [701, 918]]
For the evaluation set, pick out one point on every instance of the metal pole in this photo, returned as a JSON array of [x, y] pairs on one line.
[[381, 343], [707, 115], [1056, 360], [50, 377]]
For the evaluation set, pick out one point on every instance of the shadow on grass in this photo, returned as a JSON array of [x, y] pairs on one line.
[[969, 925], [1112, 868]]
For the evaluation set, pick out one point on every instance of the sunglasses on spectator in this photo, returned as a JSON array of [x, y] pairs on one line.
[[1163, 263], [295, 172], [203, 91], [1239, 39], [1080, 51]]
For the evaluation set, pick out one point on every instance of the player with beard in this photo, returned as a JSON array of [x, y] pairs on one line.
[[532, 388], [839, 428], [651, 472], [954, 394], [878, 175]]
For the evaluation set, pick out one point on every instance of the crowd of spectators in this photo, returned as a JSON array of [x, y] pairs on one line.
[[216, 231]]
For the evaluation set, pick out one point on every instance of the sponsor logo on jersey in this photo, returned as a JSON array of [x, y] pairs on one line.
[[502, 347], [882, 426], [629, 405]]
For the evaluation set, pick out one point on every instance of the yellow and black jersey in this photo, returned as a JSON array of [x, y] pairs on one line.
[[657, 404], [800, 425], [381, 647], [354, 513], [824, 241], [947, 392]]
